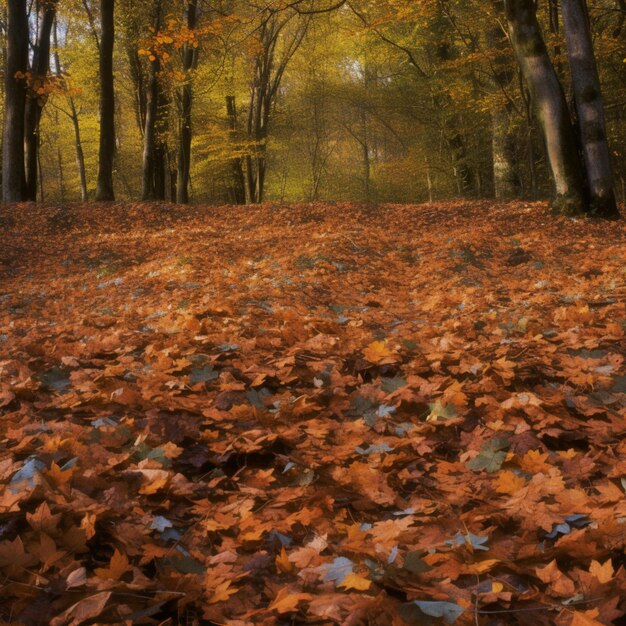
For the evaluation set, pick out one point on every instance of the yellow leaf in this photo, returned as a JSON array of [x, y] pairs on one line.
[[534, 462], [483, 566], [221, 592], [354, 581], [88, 524], [378, 353], [287, 602], [253, 535], [283, 564], [496, 587], [604, 573]]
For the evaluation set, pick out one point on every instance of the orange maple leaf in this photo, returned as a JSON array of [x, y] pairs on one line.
[[118, 566], [509, 482], [378, 353], [603, 572], [283, 564]]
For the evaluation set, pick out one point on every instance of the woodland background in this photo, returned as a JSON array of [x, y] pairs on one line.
[[373, 101]]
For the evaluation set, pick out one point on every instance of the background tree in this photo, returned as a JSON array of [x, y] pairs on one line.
[[13, 171], [104, 189], [347, 100]]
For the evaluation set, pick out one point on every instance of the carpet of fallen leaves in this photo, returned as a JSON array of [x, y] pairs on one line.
[[321, 414]]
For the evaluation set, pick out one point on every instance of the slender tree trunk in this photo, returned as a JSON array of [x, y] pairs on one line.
[[36, 99], [73, 115], [589, 108], [237, 186], [40, 177], [80, 156], [149, 141], [549, 105], [365, 152], [61, 175], [505, 177], [184, 148], [104, 189], [138, 78], [13, 172]]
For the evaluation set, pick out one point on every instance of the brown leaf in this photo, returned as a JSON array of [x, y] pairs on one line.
[[85, 609]]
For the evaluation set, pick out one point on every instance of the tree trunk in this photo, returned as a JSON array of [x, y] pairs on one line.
[[505, 177], [138, 78], [237, 186], [549, 105], [149, 139], [184, 148], [155, 167], [506, 180], [35, 100], [365, 152], [73, 115], [589, 108], [104, 189], [13, 172], [80, 157]]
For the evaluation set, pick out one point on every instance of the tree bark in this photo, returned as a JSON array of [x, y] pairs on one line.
[[13, 172], [149, 140], [237, 187], [506, 180], [505, 176], [186, 97], [35, 101], [549, 105], [155, 153], [80, 156], [104, 189], [589, 108]]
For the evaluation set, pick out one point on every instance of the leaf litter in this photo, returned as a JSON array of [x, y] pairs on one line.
[[323, 414]]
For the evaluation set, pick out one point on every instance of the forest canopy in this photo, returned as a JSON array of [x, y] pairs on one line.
[[239, 101]]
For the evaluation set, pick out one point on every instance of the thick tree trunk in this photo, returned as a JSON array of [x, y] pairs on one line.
[[589, 108], [35, 100], [184, 148], [155, 151], [549, 105], [104, 189], [13, 172]]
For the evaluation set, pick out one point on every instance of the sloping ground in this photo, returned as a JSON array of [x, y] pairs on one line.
[[322, 414]]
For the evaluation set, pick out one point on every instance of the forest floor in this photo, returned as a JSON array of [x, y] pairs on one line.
[[322, 414]]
